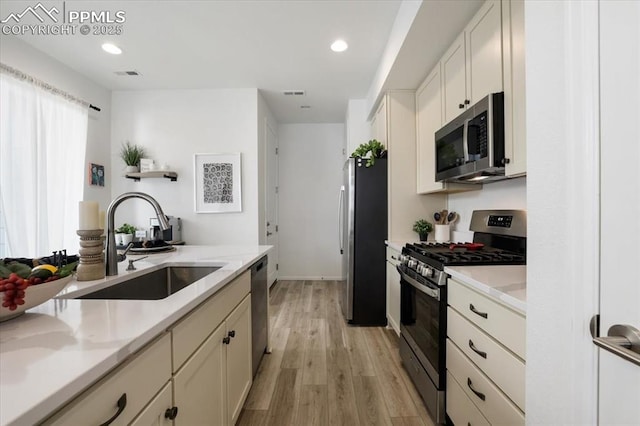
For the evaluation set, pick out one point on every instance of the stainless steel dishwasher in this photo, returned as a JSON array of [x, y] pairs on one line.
[[259, 305]]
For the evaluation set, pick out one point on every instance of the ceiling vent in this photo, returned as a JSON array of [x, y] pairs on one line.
[[294, 92], [127, 73]]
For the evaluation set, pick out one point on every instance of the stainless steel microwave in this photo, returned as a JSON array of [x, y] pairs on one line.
[[470, 148]]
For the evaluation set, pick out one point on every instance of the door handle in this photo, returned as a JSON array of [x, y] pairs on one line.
[[623, 341], [340, 219], [269, 233]]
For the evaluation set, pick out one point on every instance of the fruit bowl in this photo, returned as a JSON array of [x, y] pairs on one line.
[[35, 295]]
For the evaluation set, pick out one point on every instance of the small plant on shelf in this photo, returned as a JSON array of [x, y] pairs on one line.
[[131, 154], [373, 148], [423, 228]]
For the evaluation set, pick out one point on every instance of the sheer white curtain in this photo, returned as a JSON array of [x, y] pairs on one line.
[[42, 152]]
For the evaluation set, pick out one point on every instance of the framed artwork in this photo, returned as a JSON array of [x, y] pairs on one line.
[[217, 183], [146, 165], [96, 174]]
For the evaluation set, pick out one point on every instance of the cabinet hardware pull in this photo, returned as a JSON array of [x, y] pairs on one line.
[[232, 333], [461, 106], [467, 101], [475, 311], [171, 413], [478, 394], [122, 403], [505, 161], [394, 258], [226, 340], [476, 350]]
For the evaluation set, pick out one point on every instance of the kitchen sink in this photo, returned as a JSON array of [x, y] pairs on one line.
[[154, 285]]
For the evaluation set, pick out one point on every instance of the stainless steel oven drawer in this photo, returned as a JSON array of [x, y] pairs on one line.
[[433, 398]]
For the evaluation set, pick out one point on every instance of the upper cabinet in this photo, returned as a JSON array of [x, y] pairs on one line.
[[515, 137], [472, 66], [487, 57]]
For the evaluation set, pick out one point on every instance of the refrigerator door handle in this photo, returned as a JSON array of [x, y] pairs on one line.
[[340, 219]]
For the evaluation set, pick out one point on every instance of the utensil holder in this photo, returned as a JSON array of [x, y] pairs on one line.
[[443, 233], [91, 265]]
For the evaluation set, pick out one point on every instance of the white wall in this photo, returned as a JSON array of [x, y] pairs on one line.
[[173, 125], [22, 56], [310, 177], [358, 128], [507, 194]]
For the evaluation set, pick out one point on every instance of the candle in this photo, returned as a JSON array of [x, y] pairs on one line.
[[88, 214], [101, 220]]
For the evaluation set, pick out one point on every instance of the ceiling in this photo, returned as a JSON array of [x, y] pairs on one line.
[[272, 45]]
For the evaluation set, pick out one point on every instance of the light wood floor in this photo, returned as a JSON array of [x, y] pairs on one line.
[[324, 372]]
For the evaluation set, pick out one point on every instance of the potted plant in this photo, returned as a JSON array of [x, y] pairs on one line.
[[373, 148], [124, 234], [131, 155], [422, 227]]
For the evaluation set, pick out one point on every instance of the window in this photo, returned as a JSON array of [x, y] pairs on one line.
[[43, 138]]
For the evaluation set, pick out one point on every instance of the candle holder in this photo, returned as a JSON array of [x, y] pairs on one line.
[[91, 265]]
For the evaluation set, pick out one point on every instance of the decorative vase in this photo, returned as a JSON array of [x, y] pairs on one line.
[[118, 237], [131, 169], [423, 237], [126, 239]]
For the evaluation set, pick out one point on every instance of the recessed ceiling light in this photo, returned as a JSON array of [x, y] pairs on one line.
[[339, 46], [111, 48]]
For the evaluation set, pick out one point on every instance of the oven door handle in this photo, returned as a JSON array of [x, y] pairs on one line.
[[435, 293]]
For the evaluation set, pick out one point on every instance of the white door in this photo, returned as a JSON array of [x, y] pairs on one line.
[[271, 204], [619, 379]]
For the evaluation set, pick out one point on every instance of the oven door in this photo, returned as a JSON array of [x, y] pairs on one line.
[[423, 322]]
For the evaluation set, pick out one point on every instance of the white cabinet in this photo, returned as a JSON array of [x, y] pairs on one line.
[[429, 112], [393, 289], [485, 359], [396, 117], [454, 78], [122, 394], [199, 387], [238, 368], [515, 137], [158, 413], [472, 66], [209, 353], [212, 379], [379, 123]]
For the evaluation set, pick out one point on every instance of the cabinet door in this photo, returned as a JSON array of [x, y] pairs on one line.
[[199, 386], [429, 120], [239, 372], [484, 52], [154, 413], [454, 79], [393, 291], [515, 137]]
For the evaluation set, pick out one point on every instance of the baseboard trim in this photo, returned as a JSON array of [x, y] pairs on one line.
[[307, 278]]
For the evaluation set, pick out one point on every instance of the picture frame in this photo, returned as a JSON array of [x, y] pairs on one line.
[[217, 183], [96, 174], [147, 165]]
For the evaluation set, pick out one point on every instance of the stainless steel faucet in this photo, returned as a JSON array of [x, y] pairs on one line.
[[111, 260]]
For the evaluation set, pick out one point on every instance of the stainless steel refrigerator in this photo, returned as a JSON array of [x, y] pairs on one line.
[[362, 232]]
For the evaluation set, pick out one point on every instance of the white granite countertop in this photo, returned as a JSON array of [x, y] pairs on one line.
[[396, 245], [506, 283], [57, 349]]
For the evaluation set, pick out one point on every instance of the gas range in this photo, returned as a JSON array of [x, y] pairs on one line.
[[499, 239]]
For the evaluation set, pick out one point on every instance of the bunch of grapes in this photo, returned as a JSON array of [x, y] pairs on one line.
[[13, 289]]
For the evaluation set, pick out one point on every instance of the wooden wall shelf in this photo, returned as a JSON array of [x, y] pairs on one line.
[[173, 176]]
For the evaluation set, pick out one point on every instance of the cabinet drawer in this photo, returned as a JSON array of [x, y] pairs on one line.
[[194, 329], [393, 256], [460, 408], [495, 406], [502, 323], [140, 378], [500, 365]]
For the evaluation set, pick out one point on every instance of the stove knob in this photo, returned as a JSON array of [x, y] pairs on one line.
[[430, 273], [412, 263], [425, 272]]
